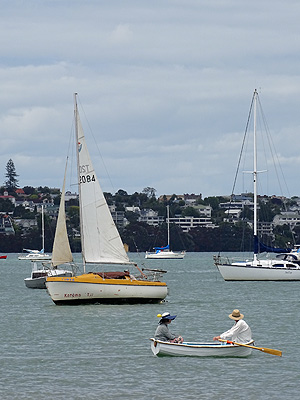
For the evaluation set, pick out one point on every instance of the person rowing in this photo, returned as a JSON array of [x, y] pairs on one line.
[[240, 332], [162, 331]]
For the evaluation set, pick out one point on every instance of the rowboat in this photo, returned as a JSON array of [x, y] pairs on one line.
[[160, 348], [3, 257]]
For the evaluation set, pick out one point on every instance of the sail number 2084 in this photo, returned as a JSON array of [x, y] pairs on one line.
[[84, 169], [87, 178]]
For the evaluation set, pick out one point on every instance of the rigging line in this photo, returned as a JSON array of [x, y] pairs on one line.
[[274, 154], [242, 149], [96, 144], [276, 163]]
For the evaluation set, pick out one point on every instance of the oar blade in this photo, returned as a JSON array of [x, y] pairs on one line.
[[272, 351], [263, 349]]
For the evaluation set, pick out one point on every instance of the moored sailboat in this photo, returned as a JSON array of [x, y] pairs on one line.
[[37, 255], [284, 267], [165, 252], [101, 245]]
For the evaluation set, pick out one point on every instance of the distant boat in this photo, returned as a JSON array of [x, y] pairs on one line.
[[39, 274], [285, 267], [3, 257], [40, 271], [165, 252], [37, 255], [101, 245], [160, 348]]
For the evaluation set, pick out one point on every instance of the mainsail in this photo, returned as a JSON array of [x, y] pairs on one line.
[[100, 239]]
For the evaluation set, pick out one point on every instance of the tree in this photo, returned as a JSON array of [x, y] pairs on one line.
[[149, 191], [12, 182], [190, 212], [29, 190]]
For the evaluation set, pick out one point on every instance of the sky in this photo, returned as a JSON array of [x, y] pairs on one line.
[[165, 88]]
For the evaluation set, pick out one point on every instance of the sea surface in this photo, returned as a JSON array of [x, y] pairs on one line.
[[103, 351]]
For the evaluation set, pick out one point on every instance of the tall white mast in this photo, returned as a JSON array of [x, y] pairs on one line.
[[43, 229], [255, 171], [168, 224]]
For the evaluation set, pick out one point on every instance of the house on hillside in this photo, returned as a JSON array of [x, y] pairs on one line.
[[6, 196], [6, 225]]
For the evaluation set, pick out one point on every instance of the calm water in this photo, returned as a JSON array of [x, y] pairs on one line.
[[103, 351]]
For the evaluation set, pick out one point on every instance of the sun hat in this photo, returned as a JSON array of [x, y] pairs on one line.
[[166, 315], [236, 315]]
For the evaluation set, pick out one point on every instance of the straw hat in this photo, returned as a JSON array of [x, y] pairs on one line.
[[236, 315]]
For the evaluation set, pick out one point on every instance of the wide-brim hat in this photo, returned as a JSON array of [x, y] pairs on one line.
[[236, 315], [166, 316]]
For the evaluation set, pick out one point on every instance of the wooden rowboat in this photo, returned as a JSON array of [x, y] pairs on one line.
[[160, 348]]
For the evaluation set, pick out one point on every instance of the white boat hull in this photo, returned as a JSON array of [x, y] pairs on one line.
[[35, 283], [35, 257], [71, 292], [164, 255], [40, 282], [160, 348], [244, 272]]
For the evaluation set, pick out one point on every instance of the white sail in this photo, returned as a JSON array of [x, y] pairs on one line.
[[100, 239], [61, 252]]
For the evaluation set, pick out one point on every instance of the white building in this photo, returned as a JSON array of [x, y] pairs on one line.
[[188, 223], [151, 217], [286, 217]]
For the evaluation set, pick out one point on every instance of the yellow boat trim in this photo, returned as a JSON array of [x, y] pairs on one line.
[[96, 279]]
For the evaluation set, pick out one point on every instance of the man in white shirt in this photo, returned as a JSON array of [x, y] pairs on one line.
[[240, 332]]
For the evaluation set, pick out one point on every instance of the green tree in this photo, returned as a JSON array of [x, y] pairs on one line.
[[6, 205], [12, 182], [29, 190], [190, 212], [149, 191]]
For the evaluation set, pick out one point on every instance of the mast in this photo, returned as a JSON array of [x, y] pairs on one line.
[[255, 172], [78, 177], [43, 230], [168, 224]]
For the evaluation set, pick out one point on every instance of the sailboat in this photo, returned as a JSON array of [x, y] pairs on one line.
[[165, 252], [284, 267], [101, 246], [37, 255], [61, 250]]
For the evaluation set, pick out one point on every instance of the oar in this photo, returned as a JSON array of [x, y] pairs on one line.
[[263, 349]]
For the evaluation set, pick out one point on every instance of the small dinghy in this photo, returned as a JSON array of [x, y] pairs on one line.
[[160, 348]]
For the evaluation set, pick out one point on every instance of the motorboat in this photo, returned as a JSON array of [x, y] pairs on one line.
[[35, 255], [39, 274]]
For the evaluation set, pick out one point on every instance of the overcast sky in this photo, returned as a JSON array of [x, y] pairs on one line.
[[165, 87]]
